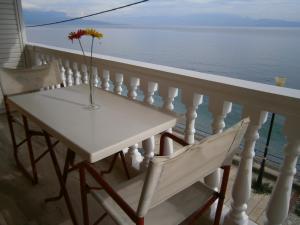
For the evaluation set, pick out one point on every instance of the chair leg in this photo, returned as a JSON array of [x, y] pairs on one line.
[[15, 146], [30, 150], [219, 211], [140, 221], [222, 194]]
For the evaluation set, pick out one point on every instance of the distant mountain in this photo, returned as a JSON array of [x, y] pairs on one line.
[[33, 17], [209, 20]]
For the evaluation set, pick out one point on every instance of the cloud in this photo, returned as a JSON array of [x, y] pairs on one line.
[[259, 9]]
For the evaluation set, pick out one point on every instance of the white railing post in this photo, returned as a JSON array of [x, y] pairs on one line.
[[149, 88], [168, 94], [191, 101], [133, 156], [37, 59], [278, 207], [219, 110], [118, 81], [69, 73], [241, 190], [105, 77], [43, 59], [96, 80], [77, 74], [85, 75], [62, 72]]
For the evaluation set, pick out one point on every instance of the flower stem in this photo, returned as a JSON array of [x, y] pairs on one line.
[[91, 75]]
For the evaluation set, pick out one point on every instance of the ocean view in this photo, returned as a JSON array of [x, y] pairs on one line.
[[255, 54]]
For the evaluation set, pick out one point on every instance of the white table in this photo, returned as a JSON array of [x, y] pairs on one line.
[[93, 135]]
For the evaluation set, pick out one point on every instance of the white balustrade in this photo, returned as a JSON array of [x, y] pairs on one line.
[[85, 75], [118, 81], [133, 156], [149, 88], [96, 79], [242, 186], [106, 78], [77, 74], [256, 99], [219, 110], [43, 59], [168, 94], [62, 72], [278, 206], [69, 73], [37, 59], [191, 101]]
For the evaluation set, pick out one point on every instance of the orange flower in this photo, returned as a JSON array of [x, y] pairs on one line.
[[76, 35]]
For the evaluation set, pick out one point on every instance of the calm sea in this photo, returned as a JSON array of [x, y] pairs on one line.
[[255, 54]]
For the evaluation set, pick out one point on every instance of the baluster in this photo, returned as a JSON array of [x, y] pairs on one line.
[[43, 58], [149, 88], [168, 94], [133, 156], [105, 80], [278, 207], [62, 72], [69, 73], [96, 80], [76, 73], [48, 59], [219, 110], [85, 75], [37, 59], [118, 79], [241, 190], [191, 101], [149, 91], [133, 86]]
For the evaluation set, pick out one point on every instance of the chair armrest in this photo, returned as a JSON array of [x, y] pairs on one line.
[[173, 137], [110, 191]]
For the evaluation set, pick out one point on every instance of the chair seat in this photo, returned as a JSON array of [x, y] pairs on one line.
[[173, 211]]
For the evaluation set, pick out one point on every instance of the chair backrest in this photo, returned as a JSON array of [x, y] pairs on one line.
[[168, 175], [16, 81]]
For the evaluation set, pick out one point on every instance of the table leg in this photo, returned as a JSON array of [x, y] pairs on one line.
[[60, 178], [68, 161], [83, 190]]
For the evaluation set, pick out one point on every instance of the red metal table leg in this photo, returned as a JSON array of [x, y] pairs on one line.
[[83, 189], [68, 161], [61, 179]]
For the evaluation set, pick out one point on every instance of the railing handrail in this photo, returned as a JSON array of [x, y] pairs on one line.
[[285, 101]]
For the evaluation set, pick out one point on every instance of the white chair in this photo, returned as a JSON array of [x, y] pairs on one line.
[[19, 81], [170, 192]]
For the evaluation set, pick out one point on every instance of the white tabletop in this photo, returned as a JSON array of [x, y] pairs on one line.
[[94, 135]]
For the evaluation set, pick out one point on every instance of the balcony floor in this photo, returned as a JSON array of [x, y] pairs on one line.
[[22, 203]]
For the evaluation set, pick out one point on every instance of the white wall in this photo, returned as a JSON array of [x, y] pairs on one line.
[[12, 36]]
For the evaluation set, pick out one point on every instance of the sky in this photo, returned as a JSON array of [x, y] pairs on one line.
[[257, 9]]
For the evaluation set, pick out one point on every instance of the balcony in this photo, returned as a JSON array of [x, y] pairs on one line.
[[166, 87], [171, 89]]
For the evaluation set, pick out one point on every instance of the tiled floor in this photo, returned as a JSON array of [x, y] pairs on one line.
[[22, 203]]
